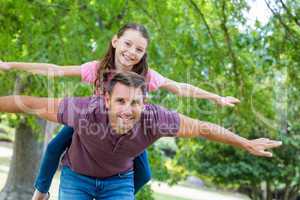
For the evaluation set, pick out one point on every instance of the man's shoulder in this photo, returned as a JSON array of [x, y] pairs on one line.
[[156, 111], [87, 100], [83, 103], [151, 108], [160, 121]]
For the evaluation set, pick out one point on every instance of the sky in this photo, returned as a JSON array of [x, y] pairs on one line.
[[258, 11]]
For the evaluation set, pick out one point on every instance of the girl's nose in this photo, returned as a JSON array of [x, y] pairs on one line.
[[132, 51]]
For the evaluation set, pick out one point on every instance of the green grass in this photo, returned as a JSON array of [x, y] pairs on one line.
[[158, 196]]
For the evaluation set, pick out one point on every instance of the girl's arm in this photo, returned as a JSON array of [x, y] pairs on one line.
[[43, 68], [187, 90]]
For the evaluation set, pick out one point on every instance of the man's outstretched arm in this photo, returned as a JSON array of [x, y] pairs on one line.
[[192, 128], [42, 107]]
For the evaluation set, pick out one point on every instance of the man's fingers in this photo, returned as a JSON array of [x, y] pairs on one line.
[[263, 144], [262, 153], [273, 144], [266, 153]]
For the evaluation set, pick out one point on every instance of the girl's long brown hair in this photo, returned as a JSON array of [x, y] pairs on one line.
[[107, 63]]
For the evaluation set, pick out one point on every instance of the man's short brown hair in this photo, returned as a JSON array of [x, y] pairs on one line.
[[130, 79]]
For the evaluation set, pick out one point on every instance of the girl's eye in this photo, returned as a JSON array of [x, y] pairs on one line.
[[127, 43], [140, 50]]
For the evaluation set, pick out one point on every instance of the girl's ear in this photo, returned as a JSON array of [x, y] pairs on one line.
[[114, 41]]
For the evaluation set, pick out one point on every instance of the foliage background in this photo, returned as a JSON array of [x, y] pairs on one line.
[[204, 43]]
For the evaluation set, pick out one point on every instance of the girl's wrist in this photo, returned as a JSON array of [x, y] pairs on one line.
[[217, 98]]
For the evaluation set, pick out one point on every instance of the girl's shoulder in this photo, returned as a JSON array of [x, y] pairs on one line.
[[155, 80], [89, 71]]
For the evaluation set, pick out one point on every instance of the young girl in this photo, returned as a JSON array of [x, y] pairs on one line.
[[127, 52]]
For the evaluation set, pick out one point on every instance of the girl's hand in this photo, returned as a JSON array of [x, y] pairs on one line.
[[4, 66], [227, 101]]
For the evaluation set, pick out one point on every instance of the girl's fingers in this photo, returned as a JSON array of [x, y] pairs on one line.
[[232, 100]]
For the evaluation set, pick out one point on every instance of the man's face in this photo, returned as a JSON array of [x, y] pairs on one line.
[[125, 105]]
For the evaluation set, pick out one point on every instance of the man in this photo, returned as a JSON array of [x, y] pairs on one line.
[[110, 131]]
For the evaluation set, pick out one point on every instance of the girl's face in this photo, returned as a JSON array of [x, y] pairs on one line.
[[129, 49]]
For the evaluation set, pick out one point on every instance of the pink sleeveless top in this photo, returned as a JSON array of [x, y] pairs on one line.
[[89, 72]]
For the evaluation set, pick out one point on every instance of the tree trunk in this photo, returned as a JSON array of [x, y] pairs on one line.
[[24, 164], [256, 193], [269, 191]]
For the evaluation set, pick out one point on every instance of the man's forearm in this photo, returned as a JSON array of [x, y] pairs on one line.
[[193, 128], [45, 108], [13, 104]]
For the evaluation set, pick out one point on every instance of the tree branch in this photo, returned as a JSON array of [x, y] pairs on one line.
[[199, 12], [286, 27], [228, 42], [120, 16], [161, 30], [289, 13]]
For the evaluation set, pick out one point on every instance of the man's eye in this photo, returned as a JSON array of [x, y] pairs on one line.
[[120, 101], [135, 103]]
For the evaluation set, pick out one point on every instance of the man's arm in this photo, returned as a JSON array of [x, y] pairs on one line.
[[192, 128], [43, 107]]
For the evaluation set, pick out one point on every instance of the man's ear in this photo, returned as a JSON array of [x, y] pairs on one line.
[[107, 100], [145, 100], [114, 41]]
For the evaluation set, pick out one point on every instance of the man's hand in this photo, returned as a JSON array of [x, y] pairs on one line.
[[40, 196], [4, 66], [259, 146], [227, 101]]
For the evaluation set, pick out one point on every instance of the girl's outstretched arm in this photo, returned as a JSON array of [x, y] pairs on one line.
[[187, 90], [42, 68]]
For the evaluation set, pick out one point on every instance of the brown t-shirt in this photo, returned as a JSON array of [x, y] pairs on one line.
[[98, 151]]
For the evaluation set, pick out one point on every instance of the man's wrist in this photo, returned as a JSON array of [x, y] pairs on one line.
[[244, 143]]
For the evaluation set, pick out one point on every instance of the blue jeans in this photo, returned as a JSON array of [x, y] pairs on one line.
[[51, 158], [79, 187]]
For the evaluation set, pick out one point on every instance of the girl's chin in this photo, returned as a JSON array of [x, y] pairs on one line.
[[126, 66]]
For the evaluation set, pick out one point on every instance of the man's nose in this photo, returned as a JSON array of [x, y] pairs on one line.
[[127, 110]]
